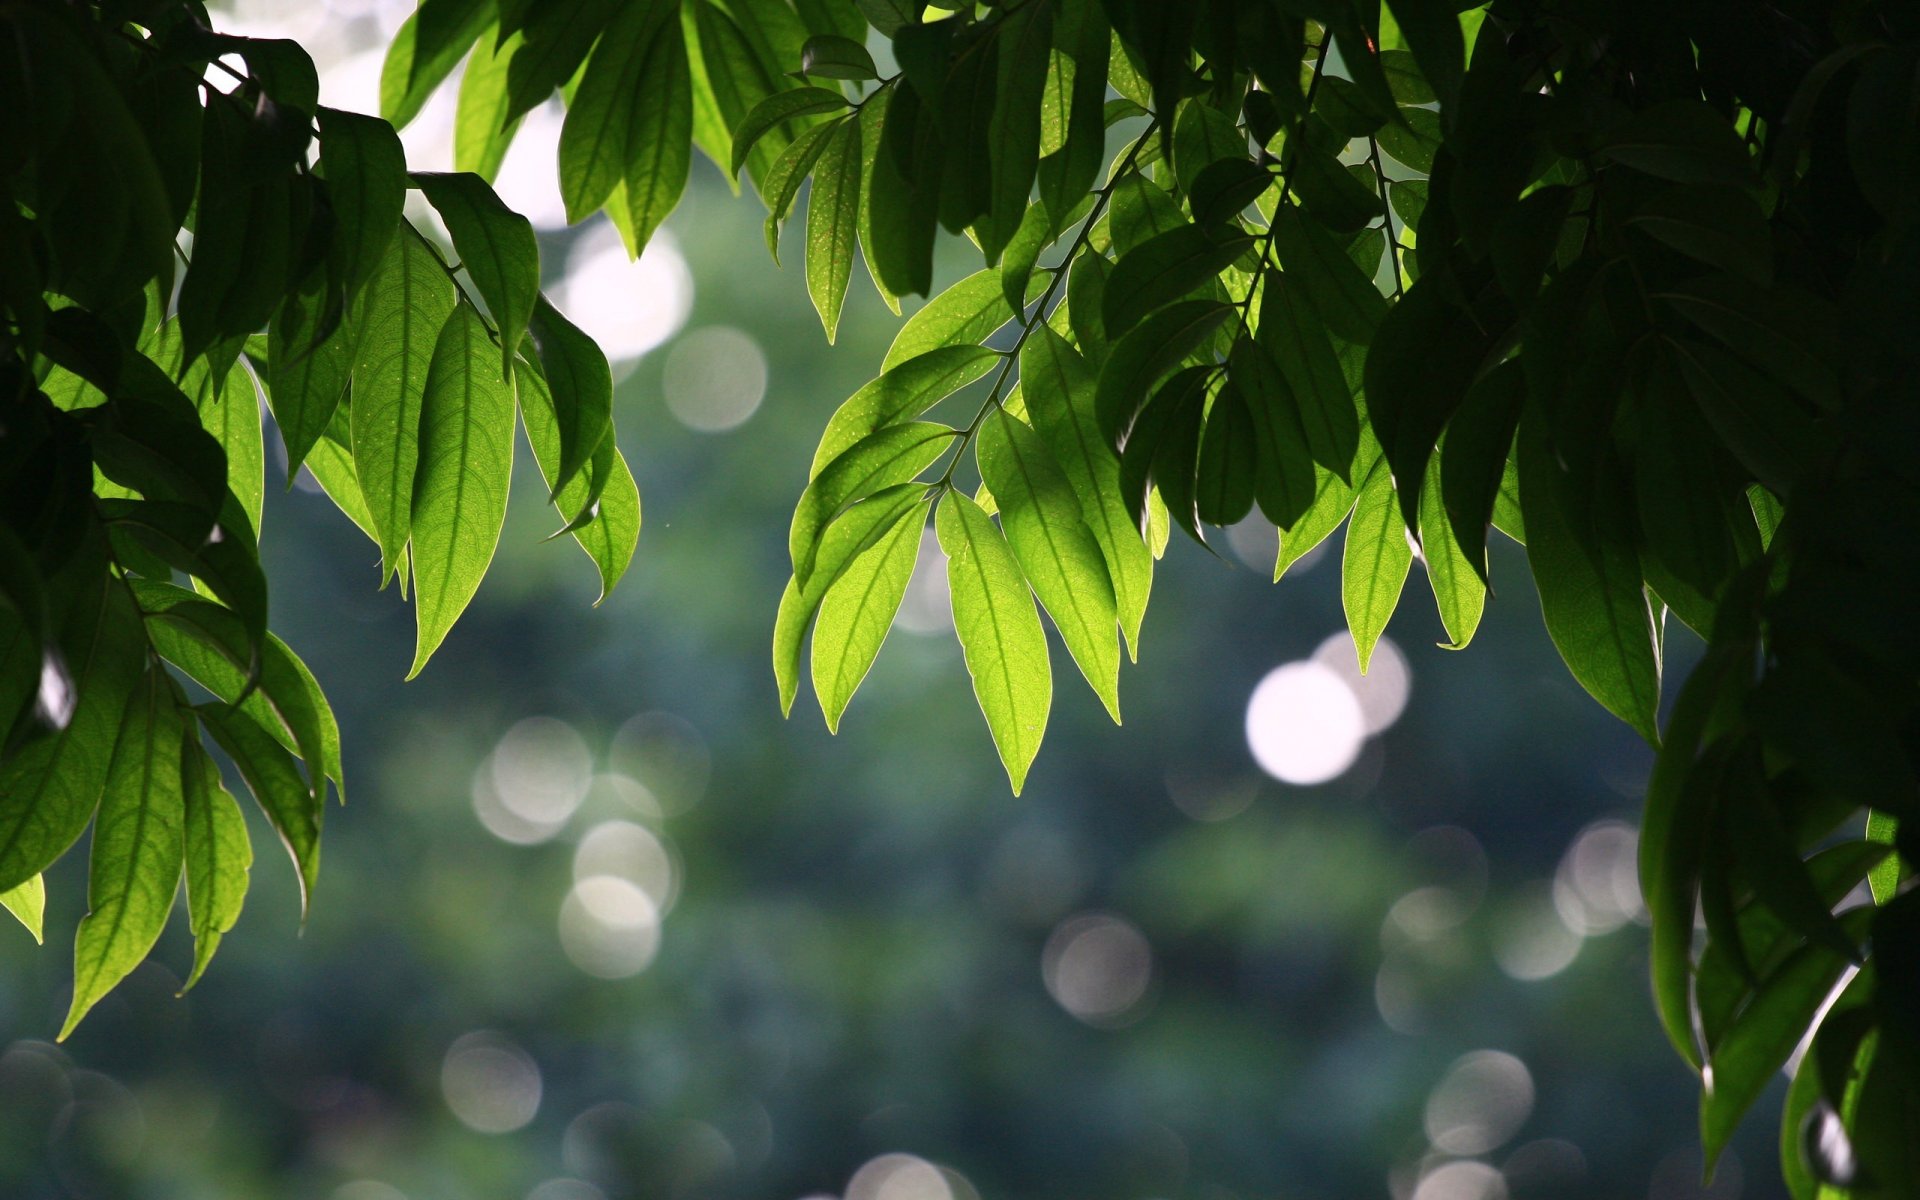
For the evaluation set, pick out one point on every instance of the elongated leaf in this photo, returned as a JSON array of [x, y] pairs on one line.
[[964, 314], [903, 392], [277, 786], [1060, 388], [366, 173], [581, 385], [851, 534], [134, 868], [659, 157], [28, 902], [1161, 270], [460, 492], [830, 56], [776, 110], [218, 853], [1022, 43], [331, 464], [1338, 291], [415, 66], [873, 131], [210, 644], [1374, 568], [603, 493], [999, 632], [890, 456], [1458, 589], [1148, 354], [1590, 590], [1332, 500], [483, 122], [397, 321], [1682, 140], [1042, 519], [629, 74], [1284, 482], [833, 215], [1762, 1036], [495, 245], [1475, 456], [858, 609], [307, 372], [782, 183]]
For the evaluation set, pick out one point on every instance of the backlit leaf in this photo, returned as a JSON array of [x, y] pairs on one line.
[[218, 853], [1373, 569], [857, 610], [833, 213]]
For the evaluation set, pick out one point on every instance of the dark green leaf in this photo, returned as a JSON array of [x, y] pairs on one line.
[[277, 786], [1163, 269], [833, 57], [603, 492], [1294, 334], [1330, 284], [366, 173], [581, 384], [1681, 140], [1149, 353]]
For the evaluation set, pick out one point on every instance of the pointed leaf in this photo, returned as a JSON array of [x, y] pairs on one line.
[[858, 609], [495, 245], [134, 866], [581, 385], [833, 213], [277, 786], [777, 109], [460, 492], [604, 493], [964, 314], [218, 853], [902, 392], [396, 320], [1373, 569], [1041, 516], [366, 174], [999, 632], [1458, 589], [890, 456], [1161, 270], [28, 903]]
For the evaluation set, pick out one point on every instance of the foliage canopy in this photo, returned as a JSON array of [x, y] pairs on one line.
[[1628, 282]]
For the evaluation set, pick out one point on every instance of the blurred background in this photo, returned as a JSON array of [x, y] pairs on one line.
[[596, 923]]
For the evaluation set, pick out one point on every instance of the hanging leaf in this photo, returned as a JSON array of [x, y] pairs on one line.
[[999, 632], [460, 492], [964, 314], [28, 903], [495, 245], [396, 321], [134, 867], [483, 126], [218, 853], [601, 502], [1041, 517], [903, 392], [580, 382], [833, 212], [1458, 588], [277, 786], [857, 610], [1374, 568], [366, 174], [887, 457], [1163, 269]]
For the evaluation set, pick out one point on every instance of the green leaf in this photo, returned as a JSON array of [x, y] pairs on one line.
[[1139, 210], [1060, 387], [1332, 500], [1022, 253], [903, 392], [630, 120], [1149, 353], [496, 246], [1374, 568], [581, 383], [1589, 582], [738, 75], [1681, 140], [1882, 827], [873, 131], [277, 786], [1330, 284], [1224, 189], [331, 464], [833, 216], [603, 492], [209, 643], [28, 902], [1284, 482], [396, 321], [1041, 515], [782, 182], [964, 314], [53, 782], [1224, 479], [414, 69], [1086, 294], [889, 456], [830, 56], [218, 853], [850, 535], [999, 631], [1761, 1037], [1719, 226], [1474, 458], [1023, 41], [857, 610], [1458, 588], [366, 174], [460, 492], [1294, 334], [134, 867], [307, 372], [1161, 270], [483, 121], [185, 540], [776, 110]]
